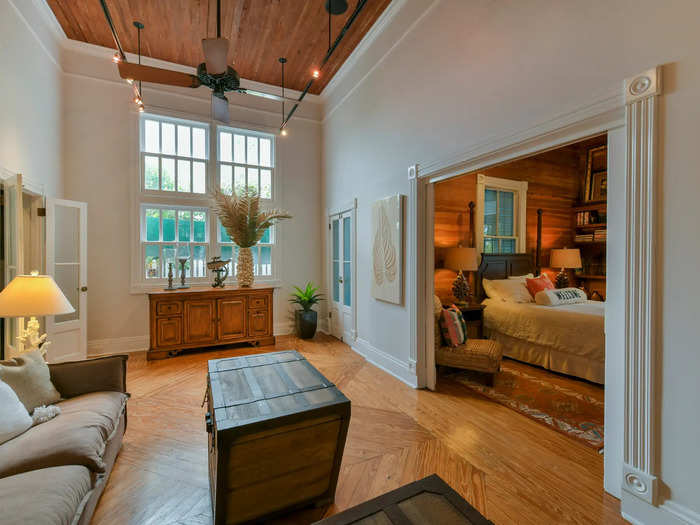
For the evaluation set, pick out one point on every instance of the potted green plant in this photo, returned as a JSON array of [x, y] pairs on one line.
[[306, 318]]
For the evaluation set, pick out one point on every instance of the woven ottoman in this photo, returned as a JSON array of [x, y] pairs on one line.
[[481, 355]]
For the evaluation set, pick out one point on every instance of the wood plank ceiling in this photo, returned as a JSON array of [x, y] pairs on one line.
[[259, 32]]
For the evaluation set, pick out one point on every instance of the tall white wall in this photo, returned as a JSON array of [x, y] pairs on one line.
[[447, 75], [30, 97], [101, 163]]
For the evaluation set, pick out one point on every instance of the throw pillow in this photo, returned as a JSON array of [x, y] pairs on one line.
[[538, 284], [454, 329], [560, 296], [14, 418], [521, 277], [29, 376]]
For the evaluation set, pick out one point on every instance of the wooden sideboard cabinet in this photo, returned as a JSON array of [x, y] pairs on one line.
[[197, 317]]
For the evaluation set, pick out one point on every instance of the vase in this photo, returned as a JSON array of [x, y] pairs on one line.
[[306, 323], [244, 271]]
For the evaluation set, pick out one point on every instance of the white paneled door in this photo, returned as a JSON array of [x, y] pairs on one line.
[[66, 261], [12, 196], [341, 271]]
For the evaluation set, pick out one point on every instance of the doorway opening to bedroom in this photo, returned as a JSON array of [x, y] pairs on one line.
[[520, 281]]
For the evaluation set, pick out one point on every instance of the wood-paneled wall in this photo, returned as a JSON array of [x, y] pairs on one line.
[[555, 181]]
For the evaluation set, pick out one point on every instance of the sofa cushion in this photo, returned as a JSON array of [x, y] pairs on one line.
[[45, 497], [29, 376], [14, 418], [77, 436]]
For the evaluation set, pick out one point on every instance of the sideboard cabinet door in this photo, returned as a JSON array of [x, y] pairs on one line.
[[232, 318], [200, 319], [259, 323], [168, 331]]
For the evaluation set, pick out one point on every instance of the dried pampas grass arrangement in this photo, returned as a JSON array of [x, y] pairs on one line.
[[245, 223]]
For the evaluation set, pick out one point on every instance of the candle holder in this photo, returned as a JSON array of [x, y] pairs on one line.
[[170, 277], [183, 261]]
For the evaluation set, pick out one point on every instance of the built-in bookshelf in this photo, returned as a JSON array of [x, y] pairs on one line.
[[590, 236]]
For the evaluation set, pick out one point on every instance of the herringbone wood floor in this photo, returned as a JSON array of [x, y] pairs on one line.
[[512, 469]]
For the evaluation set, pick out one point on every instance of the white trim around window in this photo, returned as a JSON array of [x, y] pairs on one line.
[[520, 213]]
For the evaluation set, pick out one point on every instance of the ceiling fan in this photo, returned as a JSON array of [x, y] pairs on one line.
[[213, 73]]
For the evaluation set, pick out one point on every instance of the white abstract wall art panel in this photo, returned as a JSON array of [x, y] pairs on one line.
[[387, 249]]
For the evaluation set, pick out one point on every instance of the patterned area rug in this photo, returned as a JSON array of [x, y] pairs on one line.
[[570, 406]]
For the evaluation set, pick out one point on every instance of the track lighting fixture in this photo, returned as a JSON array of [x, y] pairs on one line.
[[116, 58], [316, 73]]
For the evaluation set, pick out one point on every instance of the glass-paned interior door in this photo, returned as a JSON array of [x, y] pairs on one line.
[[341, 232], [12, 216], [66, 261]]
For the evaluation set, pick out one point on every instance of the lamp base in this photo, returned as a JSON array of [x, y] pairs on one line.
[[562, 279], [461, 289], [30, 338]]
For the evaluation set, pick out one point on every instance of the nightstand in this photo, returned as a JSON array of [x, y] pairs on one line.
[[474, 318]]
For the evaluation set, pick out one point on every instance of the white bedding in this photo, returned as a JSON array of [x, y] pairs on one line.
[[572, 333]]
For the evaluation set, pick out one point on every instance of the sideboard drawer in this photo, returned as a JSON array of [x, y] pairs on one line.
[[258, 301], [169, 307]]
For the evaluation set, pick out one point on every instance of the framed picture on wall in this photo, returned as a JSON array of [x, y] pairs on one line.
[[387, 249], [596, 187]]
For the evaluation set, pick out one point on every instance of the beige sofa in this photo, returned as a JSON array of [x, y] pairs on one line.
[[55, 472]]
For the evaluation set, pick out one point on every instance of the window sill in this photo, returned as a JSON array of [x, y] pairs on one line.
[[144, 288]]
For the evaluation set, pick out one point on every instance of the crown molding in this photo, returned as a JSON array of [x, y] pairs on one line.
[[41, 7], [385, 22], [377, 28]]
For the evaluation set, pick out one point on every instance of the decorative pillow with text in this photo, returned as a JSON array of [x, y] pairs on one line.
[[560, 296]]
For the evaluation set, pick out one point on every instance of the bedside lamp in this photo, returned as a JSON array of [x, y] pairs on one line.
[[461, 259], [33, 296], [564, 258]]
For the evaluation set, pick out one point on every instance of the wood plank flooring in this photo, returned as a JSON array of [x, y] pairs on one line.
[[512, 469]]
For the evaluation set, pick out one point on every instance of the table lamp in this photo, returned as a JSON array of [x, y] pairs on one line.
[[564, 258], [461, 259], [33, 296]]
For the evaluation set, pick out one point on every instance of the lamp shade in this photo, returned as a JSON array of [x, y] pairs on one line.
[[461, 258], [565, 258], [33, 295]]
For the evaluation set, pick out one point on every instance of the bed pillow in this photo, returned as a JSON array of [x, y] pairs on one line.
[[14, 418], [521, 277], [507, 290], [453, 327], [560, 296], [538, 284]]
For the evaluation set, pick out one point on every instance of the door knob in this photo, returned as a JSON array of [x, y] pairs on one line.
[[340, 279], [83, 289]]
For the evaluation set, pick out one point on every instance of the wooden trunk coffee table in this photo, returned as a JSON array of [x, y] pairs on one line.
[[429, 501], [277, 430]]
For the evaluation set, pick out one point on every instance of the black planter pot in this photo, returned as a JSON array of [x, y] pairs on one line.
[[306, 323]]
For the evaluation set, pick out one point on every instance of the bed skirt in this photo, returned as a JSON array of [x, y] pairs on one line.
[[550, 358]]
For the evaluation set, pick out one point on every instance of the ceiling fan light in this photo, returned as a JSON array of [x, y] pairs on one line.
[[316, 73], [117, 57], [215, 54]]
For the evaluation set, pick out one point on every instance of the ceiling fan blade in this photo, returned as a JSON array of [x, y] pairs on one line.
[[269, 96], [219, 108], [215, 53], [157, 75]]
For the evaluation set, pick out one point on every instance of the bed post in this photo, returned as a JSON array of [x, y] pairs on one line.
[[538, 249], [472, 233]]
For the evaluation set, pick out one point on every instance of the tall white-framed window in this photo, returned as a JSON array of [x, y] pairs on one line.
[[501, 215], [180, 162], [245, 158], [174, 155], [169, 233]]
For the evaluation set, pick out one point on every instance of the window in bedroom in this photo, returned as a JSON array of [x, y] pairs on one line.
[[245, 158], [500, 215], [174, 155]]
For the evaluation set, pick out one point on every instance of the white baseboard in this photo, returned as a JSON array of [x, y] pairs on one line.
[[386, 362], [682, 512], [639, 512], [118, 345], [283, 328]]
